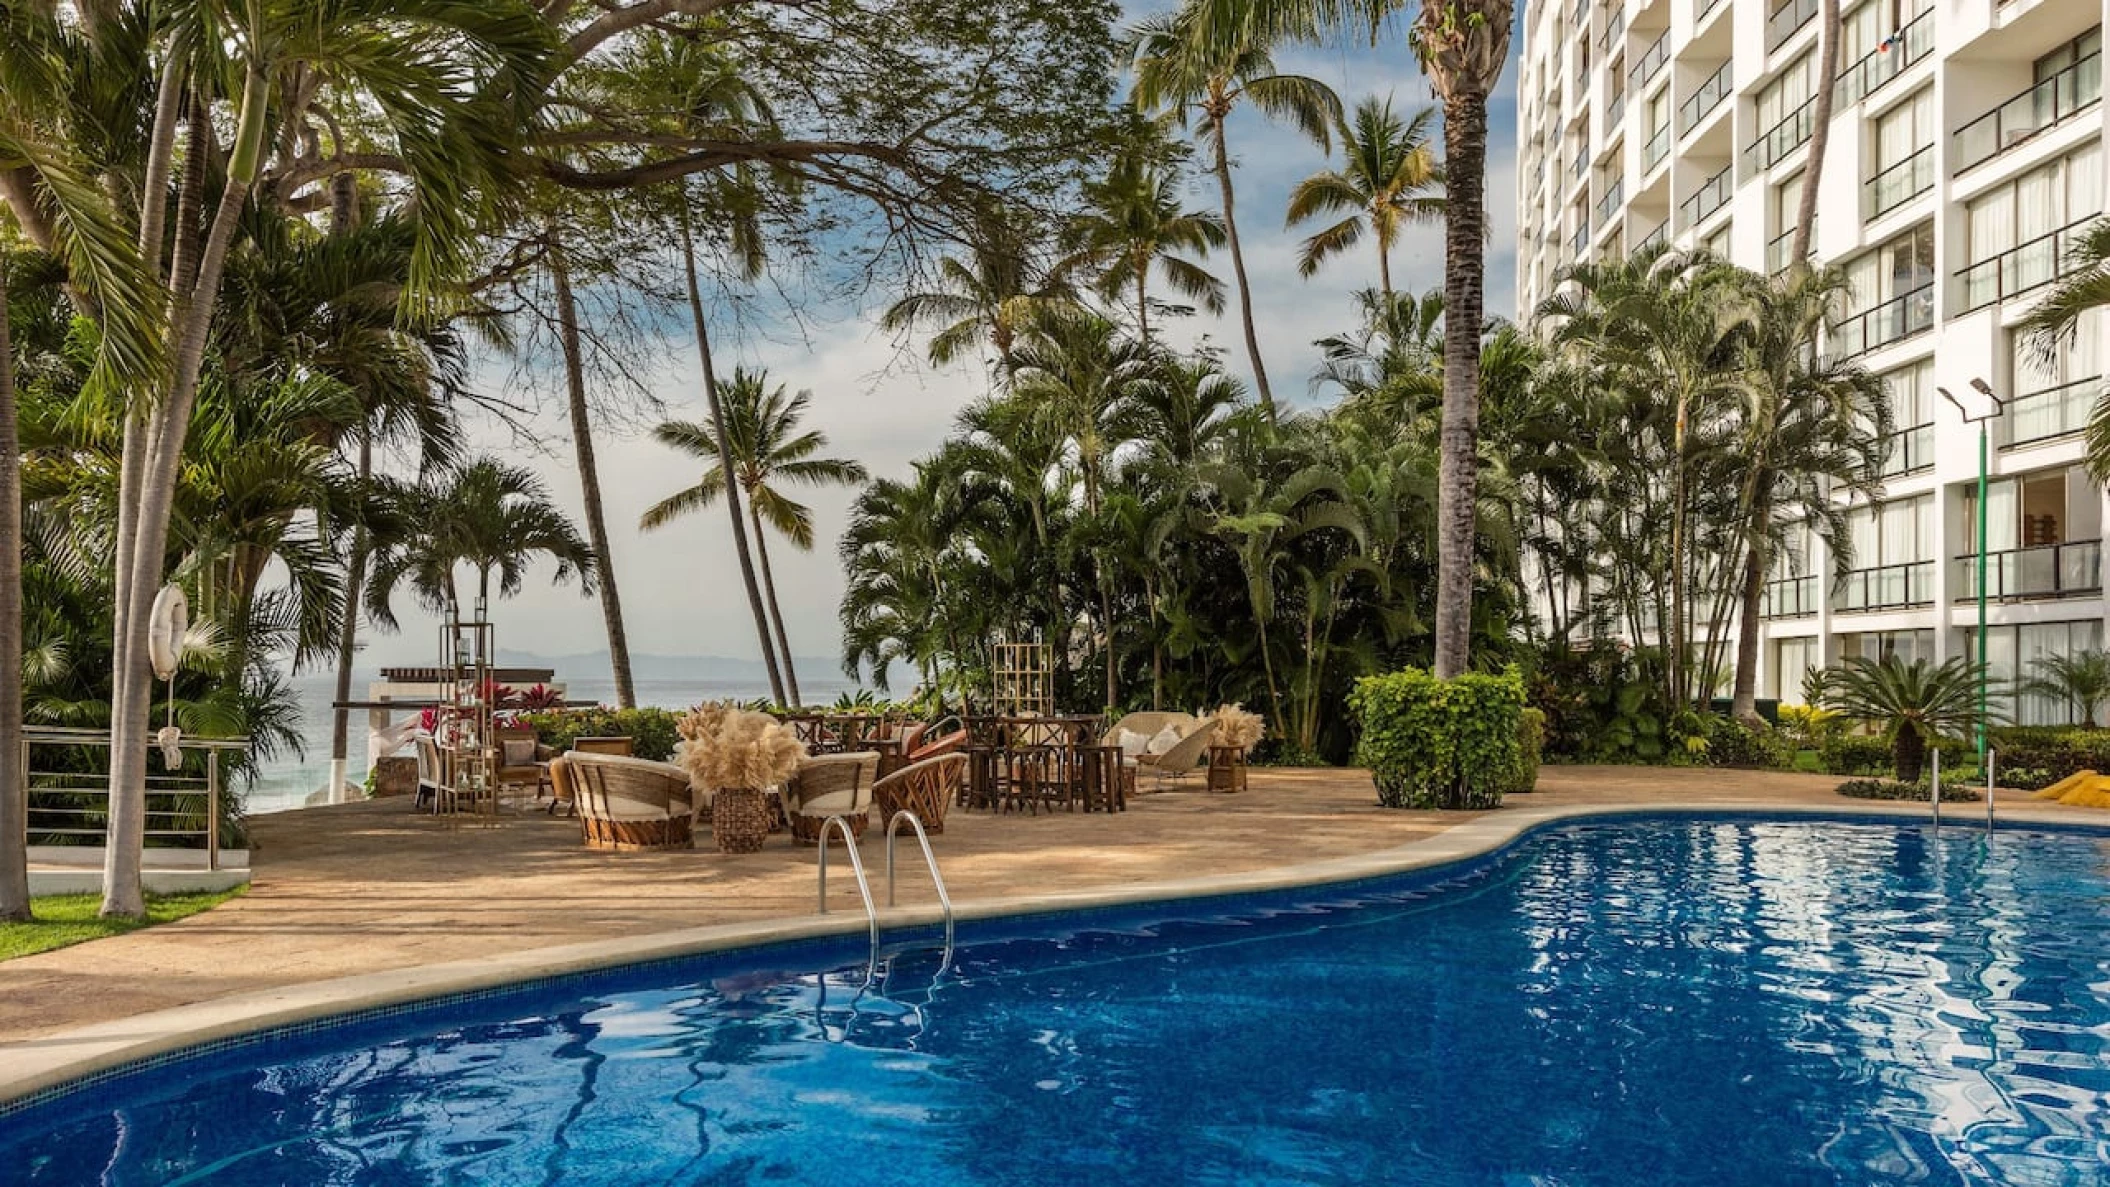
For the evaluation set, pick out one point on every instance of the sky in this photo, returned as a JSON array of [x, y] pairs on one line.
[[880, 403]]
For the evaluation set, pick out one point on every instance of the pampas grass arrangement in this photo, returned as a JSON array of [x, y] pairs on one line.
[[1237, 726], [729, 747]]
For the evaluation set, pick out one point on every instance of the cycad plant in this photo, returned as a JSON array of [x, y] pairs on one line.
[[1912, 704], [2081, 679]]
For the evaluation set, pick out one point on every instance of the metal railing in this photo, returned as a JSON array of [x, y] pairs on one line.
[[1899, 183], [1887, 587], [1712, 195], [67, 774], [2045, 105], [1655, 238], [1777, 258], [1650, 63], [1789, 597], [1654, 149], [1907, 451], [2045, 571], [2019, 269], [1877, 67], [1898, 318], [2049, 414], [1581, 165], [1615, 25], [1705, 7], [930, 862], [1581, 242], [1791, 132], [1703, 101], [1609, 205], [1783, 22]]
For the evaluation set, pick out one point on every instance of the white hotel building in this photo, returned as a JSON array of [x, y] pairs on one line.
[[1964, 154]]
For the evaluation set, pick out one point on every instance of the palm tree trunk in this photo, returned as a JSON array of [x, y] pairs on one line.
[[1143, 304], [1743, 697], [1245, 291], [1384, 255], [776, 611], [725, 461], [14, 790], [1820, 132], [1106, 617], [1464, 266], [348, 627], [589, 476]]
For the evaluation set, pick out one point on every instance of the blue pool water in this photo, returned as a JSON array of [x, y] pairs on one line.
[[1664, 1001]]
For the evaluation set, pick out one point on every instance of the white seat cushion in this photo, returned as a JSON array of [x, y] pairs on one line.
[[1164, 740]]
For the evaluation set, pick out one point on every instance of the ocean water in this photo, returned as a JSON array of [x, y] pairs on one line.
[[1662, 1002], [298, 780]]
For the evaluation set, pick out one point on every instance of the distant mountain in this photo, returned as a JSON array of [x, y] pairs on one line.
[[593, 665]]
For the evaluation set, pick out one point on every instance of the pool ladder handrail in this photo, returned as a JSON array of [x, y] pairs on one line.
[[930, 862], [829, 827]]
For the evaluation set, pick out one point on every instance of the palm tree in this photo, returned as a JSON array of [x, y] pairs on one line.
[[986, 297], [2053, 322], [495, 518], [1911, 703], [1826, 82], [1133, 224], [2081, 679], [1203, 60], [1388, 180], [769, 450], [1812, 427]]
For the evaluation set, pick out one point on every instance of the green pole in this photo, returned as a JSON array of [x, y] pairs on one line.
[[1981, 591]]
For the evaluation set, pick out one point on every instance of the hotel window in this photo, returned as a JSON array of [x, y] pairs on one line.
[[1892, 547], [1778, 102], [1717, 244], [2053, 399], [1865, 60], [1656, 122], [2042, 510], [1904, 154], [1893, 290], [1792, 660], [1787, 207], [2018, 231], [1904, 646], [2012, 651], [1912, 399]]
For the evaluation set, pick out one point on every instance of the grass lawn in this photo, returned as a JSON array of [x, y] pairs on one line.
[[1809, 760], [64, 919]]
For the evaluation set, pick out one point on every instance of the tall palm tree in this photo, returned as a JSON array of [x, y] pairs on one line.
[[1914, 704], [769, 451], [1132, 224], [986, 297], [1830, 30], [1389, 178], [1202, 61], [494, 518]]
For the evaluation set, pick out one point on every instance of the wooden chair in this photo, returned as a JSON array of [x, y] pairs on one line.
[[510, 742], [560, 786], [433, 779], [831, 785], [926, 788], [627, 803]]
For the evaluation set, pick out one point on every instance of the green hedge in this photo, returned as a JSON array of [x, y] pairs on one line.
[[1891, 789], [1731, 743], [1531, 740], [1433, 743], [2060, 750], [1871, 754], [651, 731]]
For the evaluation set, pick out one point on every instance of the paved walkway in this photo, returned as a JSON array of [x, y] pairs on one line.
[[362, 888]]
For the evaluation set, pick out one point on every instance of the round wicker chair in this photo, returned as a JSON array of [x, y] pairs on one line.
[[926, 788], [629, 803], [830, 785]]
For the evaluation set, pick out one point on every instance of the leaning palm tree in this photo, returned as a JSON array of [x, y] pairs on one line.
[[1201, 61], [494, 518], [1388, 180], [2081, 679], [769, 450], [1911, 704], [1133, 225]]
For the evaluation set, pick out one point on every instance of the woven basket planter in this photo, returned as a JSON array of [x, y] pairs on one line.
[[740, 819], [1227, 768]]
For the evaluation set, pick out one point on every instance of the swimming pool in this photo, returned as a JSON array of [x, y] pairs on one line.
[[1666, 1001]]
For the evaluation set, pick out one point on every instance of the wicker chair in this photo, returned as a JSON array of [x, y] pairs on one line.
[[1180, 761], [926, 788], [560, 785], [533, 773], [831, 785], [1147, 723], [629, 803]]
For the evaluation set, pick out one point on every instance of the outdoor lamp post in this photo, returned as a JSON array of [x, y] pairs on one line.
[[1979, 406]]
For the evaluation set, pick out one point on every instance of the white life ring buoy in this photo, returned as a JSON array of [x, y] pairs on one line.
[[166, 627]]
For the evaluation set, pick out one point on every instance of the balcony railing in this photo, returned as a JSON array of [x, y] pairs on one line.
[[1650, 63], [2046, 571], [1582, 15], [1887, 587], [1615, 27], [1706, 99], [1907, 451], [2047, 415], [1894, 320], [1777, 260], [2046, 105], [1704, 7], [1877, 67], [1608, 206], [1655, 238], [1782, 23], [1581, 242], [1899, 183], [1712, 195], [1784, 137], [1654, 149], [1789, 597], [2019, 269], [1580, 165]]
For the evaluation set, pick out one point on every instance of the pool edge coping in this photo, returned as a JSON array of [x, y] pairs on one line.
[[43, 1064]]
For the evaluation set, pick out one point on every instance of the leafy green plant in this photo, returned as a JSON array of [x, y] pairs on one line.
[[1531, 742], [1893, 789], [1433, 743], [2059, 750], [1911, 704], [651, 731], [1731, 743], [2080, 679], [2026, 778]]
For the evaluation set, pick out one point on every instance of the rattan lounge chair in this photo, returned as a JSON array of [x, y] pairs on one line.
[[926, 788], [630, 803], [830, 785], [1184, 758]]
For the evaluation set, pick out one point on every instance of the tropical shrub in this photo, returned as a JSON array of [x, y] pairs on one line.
[[651, 731], [1597, 707], [1893, 789], [1731, 743], [1433, 743], [1531, 741], [2026, 778], [2056, 749], [1911, 704], [1808, 726], [2080, 679], [1855, 754]]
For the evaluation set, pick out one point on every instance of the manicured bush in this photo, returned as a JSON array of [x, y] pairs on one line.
[[1872, 754], [1531, 741], [2025, 778], [1433, 743], [1891, 789], [1731, 743], [2060, 750], [651, 731]]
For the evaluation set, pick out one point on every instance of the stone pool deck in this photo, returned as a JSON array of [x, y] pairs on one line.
[[392, 901]]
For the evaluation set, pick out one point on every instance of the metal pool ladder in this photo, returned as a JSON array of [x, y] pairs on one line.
[[837, 824]]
